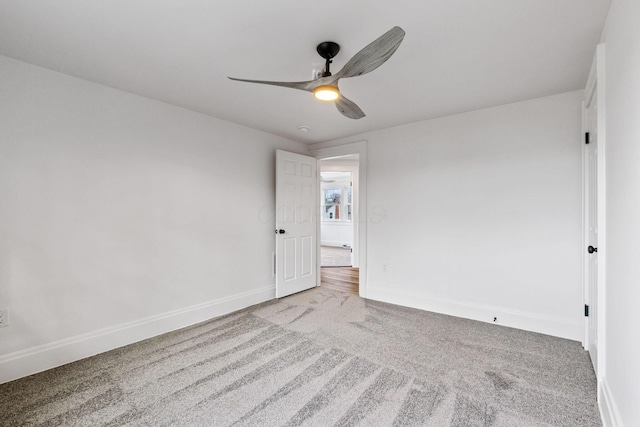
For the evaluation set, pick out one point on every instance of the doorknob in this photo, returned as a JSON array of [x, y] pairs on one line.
[[280, 231], [591, 249]]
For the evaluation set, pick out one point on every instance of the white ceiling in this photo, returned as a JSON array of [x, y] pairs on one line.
[[457, 55]]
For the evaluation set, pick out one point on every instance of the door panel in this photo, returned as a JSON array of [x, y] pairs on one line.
[[295, 223], [289, 259], [287, 209], [307, 256]]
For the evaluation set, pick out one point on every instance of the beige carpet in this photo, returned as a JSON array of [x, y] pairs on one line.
[[319, 358]]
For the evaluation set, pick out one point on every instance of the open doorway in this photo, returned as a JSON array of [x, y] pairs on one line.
[[336, 221], [338, 243], [357, 151]]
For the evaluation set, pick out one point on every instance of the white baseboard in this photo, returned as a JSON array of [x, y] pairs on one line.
[[555, 326], [40, 358], [334, 243], [608, 408]]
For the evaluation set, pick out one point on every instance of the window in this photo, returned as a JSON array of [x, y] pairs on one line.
[[336, 203]]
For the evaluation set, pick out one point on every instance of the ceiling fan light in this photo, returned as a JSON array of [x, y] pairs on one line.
[[326, 93]]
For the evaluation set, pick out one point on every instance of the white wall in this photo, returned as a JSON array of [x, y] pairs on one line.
[[336, 234], [621, 382], [122, 217], [479, 214]]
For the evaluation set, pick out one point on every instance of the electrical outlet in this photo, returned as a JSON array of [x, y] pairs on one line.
[[4, 317]]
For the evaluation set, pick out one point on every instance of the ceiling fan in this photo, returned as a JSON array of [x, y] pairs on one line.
[[368, 59]]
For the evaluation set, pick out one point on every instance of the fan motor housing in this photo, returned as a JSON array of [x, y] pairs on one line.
[[328, 49]]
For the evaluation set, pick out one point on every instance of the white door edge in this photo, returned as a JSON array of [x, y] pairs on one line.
[[596, 86]]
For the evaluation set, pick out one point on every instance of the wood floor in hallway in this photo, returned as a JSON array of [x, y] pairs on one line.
[[343, 279]]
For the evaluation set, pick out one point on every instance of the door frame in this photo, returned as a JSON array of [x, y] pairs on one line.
[[322, 151], [596, 85]]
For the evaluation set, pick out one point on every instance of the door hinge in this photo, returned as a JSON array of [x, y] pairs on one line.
[[586, 138], [273, 266], [586, 310]]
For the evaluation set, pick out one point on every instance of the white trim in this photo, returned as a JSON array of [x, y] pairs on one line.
[[560, 327], [40, 358], [585, 285], [332, 243], [602, 210], [324, 151], [608, 408]]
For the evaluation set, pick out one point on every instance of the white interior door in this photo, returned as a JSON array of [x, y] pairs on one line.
[[591, 222], [296, 216]]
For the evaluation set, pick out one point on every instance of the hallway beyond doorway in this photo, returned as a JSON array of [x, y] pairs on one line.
[[331, 256]]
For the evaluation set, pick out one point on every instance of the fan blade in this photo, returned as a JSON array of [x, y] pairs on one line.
[[374, 54], [308, 86], [349, 108]]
